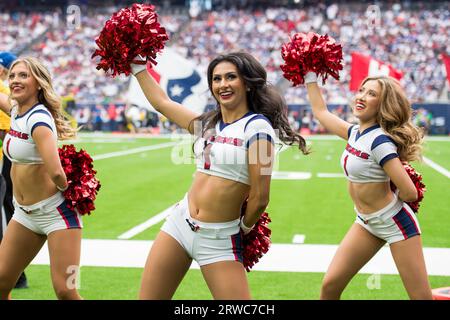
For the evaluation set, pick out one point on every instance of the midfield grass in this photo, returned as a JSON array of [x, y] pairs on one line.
[[138, 186], [123, 284]]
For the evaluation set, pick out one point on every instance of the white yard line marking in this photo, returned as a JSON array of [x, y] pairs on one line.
[[298, 239], [145, 225], [437, 167], [106, 135], [437, 138], [291, 175], [99, 140], [281, 257], [298, 175], [330, 175], [135, 150]]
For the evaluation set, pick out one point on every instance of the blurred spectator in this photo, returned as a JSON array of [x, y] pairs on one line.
[[112, 117], [82, 116], [293, 122], [134, 116], [423, 118], [409, 40]]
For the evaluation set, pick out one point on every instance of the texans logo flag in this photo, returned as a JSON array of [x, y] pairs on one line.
[[363, 66], [178, 77]]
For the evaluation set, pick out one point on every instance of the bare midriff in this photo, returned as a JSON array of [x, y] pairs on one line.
[[370, 197], [31, 183], [216, 199]]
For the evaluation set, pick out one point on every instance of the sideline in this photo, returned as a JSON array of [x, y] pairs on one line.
[[281, 257]]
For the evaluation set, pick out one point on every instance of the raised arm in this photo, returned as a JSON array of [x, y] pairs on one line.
[[5, 106], [172, 110], [330, 121]]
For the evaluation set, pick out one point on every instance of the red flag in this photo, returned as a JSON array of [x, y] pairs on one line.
[[446, 60], [363, 66]]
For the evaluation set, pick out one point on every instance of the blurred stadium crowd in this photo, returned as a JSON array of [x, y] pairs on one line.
[[411, 40]]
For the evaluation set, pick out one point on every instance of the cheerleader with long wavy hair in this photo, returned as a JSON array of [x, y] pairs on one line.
[[235, 152], [40, 209], [376, 147]]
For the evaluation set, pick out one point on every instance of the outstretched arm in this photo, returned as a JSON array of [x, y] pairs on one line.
[[330, 121], [172, 110], [5, 106]]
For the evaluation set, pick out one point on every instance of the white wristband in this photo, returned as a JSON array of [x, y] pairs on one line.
[[138, 67], [62, 189], [244, 227], [310, 77]]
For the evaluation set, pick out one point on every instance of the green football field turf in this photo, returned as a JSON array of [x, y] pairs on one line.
[[137, 186], [123, 284]]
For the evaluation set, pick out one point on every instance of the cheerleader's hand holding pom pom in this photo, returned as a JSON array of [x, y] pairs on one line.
[[244, 228], [138, 64], [129, 33], [82, 185], [256, 241], [314, 53], [416, 178], [311, 77]]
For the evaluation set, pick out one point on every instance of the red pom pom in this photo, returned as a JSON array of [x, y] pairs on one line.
[[257, 242], [129, 32], [83, 185], [311, 52], [420, 186]]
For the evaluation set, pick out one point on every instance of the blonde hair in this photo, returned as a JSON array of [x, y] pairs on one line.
[[48, 97], [394, 117]]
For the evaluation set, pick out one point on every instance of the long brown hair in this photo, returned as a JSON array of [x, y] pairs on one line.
[[48, 97], [394, 117], [262, 98]]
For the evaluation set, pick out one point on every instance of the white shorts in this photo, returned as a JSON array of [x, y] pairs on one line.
[[393, 223], [47, 215], [204, 242]]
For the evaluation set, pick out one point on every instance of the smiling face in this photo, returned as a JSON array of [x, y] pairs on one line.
[[22, 84], [367, 102], [228, 87]]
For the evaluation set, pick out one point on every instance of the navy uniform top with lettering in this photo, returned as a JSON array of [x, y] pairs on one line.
[[366, 153], [222, 152], [19, 145]]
